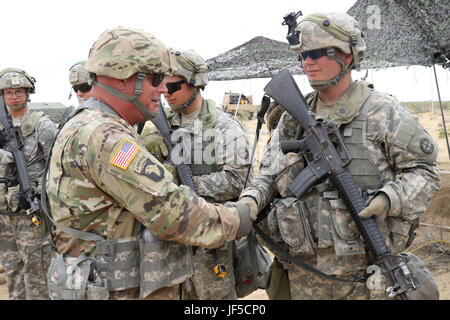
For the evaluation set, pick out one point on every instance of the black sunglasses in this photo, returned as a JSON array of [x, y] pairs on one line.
[[313, 54], [84, 87], [174, 86], [157, 78]]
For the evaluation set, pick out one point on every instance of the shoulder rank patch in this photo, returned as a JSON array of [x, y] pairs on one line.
[[125, 154]]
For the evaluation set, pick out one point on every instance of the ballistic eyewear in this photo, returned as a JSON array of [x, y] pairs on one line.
[[173, 87], [84, 87], [157, 78], [313, 54]]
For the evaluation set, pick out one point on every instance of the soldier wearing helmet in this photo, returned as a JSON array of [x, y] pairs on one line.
[[104, 188], [80, 80], [393, 163], [21, 254], [215, 148]]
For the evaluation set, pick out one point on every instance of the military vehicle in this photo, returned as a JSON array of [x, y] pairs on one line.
[[239, 102]]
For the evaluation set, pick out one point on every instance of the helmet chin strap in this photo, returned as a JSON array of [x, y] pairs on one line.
[[179, 108], [323, 84], [148, 115]]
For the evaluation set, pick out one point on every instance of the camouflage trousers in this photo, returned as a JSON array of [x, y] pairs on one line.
[[24, 259], [205, 285]]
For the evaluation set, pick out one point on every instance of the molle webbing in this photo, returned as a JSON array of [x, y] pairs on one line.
[[364, 173], [118, 263]]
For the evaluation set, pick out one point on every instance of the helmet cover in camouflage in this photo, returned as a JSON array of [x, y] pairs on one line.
[[16, 78], [122, 52], [327, 30], [78, 74], [191, 66]]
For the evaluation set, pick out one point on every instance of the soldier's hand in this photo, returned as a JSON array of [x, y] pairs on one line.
[[6, 157], [379, 206], [156, 146], [173, 171], [251, 204]]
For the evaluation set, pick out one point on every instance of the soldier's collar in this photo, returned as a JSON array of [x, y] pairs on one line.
[[348, 105]]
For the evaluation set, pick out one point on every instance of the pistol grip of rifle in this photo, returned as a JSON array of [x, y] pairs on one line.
[[349, 192], [292, 146]]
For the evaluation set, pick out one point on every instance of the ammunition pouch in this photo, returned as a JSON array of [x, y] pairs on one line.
[[71, 278], [289, 225]]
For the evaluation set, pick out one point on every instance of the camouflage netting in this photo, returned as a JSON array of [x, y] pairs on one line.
[[258, 58], [410, 31]]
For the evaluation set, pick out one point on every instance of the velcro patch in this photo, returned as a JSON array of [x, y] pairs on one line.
[[125, 154]]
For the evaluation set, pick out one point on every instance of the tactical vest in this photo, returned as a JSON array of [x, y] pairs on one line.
[[364, 173], [353, 132], [27, 128], [130, 262], [208, 118], [319, 219]]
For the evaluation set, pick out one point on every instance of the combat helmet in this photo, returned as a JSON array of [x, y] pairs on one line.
[[17, 78], [331, 30], [78, 74], [122, 52], [190, 66]]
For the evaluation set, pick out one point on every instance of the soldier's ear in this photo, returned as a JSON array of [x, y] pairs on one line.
[[348, 58]]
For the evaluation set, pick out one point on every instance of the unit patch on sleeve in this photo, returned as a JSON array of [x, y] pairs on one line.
[[125, 154]]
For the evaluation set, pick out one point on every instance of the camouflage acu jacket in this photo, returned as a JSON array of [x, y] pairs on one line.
[[394, 150], [216, 150], [101, 178], [37, 132]]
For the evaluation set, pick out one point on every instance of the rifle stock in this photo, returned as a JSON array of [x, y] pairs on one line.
[[326, 162]]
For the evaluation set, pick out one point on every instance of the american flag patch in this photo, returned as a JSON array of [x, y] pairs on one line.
[[125, 154]]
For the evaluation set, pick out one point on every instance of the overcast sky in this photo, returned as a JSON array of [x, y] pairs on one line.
[[45, 38]]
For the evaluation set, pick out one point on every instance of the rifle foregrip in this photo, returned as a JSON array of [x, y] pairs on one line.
[[185, 176], [342, 180]]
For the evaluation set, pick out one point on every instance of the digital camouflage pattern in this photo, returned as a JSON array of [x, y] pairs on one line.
[[205, 284], [20, 243], [16, 78], [228, 160], [190, 66], [404, 158], [318, 30], [122, 52], [88, 192], [78, 74]]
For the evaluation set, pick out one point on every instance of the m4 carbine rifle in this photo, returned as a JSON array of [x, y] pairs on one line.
[[184, 174], [13, 141], [324, 161]]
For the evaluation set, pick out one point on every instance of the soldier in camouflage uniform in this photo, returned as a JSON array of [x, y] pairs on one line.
[[80, 81], [22, 256], [216, 150], [394, 163], [102, 181]]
